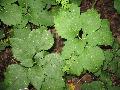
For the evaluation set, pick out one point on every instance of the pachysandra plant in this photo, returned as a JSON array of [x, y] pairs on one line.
[[37, 66]]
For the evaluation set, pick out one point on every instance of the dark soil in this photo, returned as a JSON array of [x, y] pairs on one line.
[[107, 11], [5, 59]]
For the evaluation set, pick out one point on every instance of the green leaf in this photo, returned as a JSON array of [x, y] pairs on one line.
[[118, 53], [16, 78], [24, 21], [118, 69], [67, 23], [90, 59], [36, 76], [37, 15], [39, 4], [22, 51], [96, 85], [98, 73], [113, 88], [49, 70], [39, 58], [49, 3], [108, 58], [27, 42], [106, 78], [53, 84], [21, 33], [78, 2], [108, 55], [113, 66], [55, 10], [6, 2], [90, 21], [74, 65], [115, 46], [53, 65], [73, 46], [53, 72], [117, 5], [11, 14], [105, 33], [102, 36], [35, 4], [41, 18], [23, 3], [41, 39]]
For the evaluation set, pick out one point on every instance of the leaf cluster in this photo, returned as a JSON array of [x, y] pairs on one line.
[[20, 12], [81, 51], [84, 34], [37, 66]]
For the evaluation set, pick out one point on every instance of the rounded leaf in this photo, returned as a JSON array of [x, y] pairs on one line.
[[36, 76], [67, 23], [102, 36], [22, 51], [90, 21], [11, 14], [16, 77], [74, 46], [41, 39]]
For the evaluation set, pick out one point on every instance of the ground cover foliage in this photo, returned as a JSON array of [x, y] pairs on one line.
[[84, 34]]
